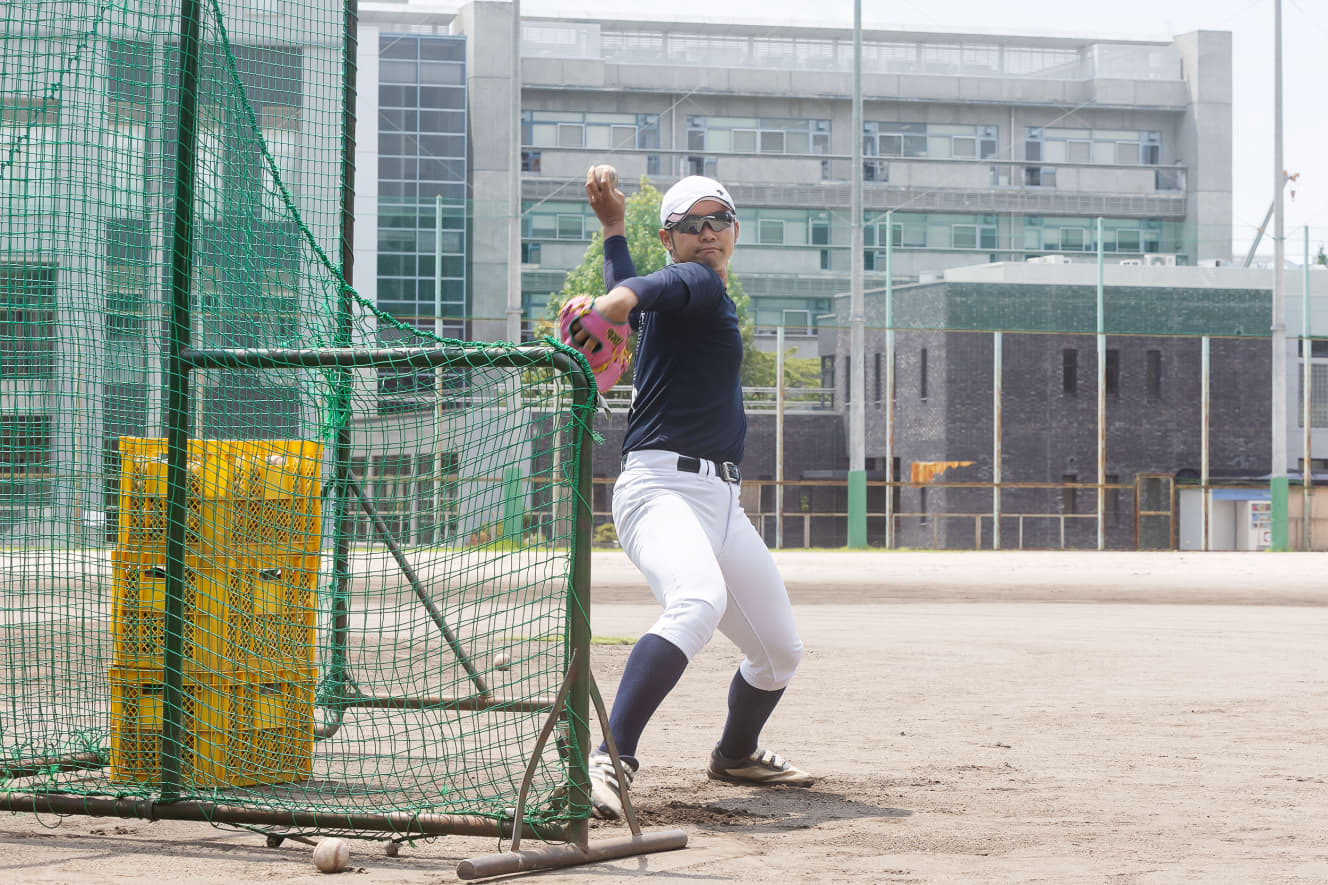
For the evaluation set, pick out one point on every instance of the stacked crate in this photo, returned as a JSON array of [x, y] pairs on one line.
[[252, 541]]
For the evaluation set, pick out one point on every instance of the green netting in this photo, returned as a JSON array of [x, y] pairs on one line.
[[359, 548]]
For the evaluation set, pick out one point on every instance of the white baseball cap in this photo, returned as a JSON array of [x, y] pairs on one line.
[[689, 191]]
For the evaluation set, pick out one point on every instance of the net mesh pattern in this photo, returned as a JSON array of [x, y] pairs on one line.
[[377, 577]]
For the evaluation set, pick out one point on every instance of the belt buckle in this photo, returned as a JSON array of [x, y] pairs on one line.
[[729, 472]]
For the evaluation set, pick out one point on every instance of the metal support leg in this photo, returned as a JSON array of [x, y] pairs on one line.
[[548, 857]]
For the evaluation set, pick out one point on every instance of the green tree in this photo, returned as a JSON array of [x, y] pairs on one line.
[[758, 369]]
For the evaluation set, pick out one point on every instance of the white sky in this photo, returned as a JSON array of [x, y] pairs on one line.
[[1305, 69]]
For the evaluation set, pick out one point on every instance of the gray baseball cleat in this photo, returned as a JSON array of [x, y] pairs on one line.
[[605, 793], [762, 768]]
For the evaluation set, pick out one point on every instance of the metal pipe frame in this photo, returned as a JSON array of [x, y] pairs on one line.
[[169, 807], [400, 823], [385, 535], [32, 767], [178, 331], [442, 703]]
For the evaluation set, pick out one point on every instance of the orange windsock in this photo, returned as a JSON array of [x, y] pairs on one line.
[[926, 471]]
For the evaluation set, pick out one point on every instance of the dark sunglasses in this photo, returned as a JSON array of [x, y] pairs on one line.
[[694, 224]]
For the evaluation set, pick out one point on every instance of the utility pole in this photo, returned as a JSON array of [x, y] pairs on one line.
[[857, 424], [514, 187], [1278, 483]]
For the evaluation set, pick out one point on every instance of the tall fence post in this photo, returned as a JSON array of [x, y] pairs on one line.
[[996, 385], [1204, 408], [1101, 397], [779, 437], [889, 358], [1307, 380]]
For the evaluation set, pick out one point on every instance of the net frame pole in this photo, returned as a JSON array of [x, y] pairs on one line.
[[178, 399], [401, 824], [341, 399], [578, 604]]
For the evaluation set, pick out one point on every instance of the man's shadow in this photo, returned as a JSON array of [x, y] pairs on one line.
[[764, 810]]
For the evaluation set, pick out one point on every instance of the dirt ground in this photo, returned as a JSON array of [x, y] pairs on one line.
[[974, 717]]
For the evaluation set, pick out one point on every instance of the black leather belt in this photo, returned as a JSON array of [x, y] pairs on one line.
[[725, 470]]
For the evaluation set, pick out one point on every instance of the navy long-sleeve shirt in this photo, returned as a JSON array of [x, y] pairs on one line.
[[686, 388]]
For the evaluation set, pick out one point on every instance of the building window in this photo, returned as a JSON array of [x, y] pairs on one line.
[[770, 232], [825, 259], [571, 227], [1153, 372], [1112, 378], [530, 253], [933, 140], [964, 236], [27, 321], [1125, 147], [530, 161], [922, 374], [574, 129], [765, 135], [1070, 372], [828, 371], [571, 135], [701, 166], [1318, 396], [1035, 176], [876, 372], [1069, 494], [25, 456], [1074, 239]]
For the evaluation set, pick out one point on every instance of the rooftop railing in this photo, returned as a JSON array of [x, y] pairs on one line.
[[959, 57]]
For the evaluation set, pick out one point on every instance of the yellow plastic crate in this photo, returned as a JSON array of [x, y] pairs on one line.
[[245, 497], [240, 615], [285, 610], [236, 733]]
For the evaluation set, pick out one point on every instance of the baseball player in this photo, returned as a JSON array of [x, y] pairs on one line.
[[675, 504]]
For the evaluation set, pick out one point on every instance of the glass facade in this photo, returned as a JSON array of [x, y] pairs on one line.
[[422, 164]]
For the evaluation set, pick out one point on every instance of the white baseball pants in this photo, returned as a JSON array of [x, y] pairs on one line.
[[706, 565]]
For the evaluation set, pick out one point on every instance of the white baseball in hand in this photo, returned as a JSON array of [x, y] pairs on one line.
[[332, 855], [606, 175]]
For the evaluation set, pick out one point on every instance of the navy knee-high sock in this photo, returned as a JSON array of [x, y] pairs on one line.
[[653, 668], [749, 708]]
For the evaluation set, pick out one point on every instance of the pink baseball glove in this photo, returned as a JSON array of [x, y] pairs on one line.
[[605, 349]]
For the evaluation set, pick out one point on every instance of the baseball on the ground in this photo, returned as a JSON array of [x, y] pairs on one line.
[[606, 175], [332, 855], [502, 661]]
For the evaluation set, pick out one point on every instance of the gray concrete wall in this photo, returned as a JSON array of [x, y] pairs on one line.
[[1205, 140], [488, 25]]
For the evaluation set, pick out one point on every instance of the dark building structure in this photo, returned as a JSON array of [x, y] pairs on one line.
[[1045, 319]]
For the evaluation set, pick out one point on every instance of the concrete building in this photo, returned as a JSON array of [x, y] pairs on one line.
[[986, 148]]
